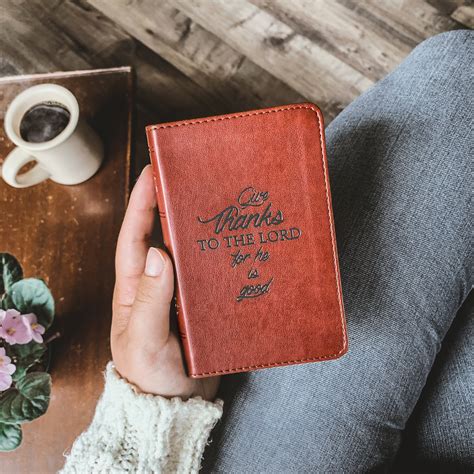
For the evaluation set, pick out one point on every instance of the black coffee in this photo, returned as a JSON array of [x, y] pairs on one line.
[[43, 122]]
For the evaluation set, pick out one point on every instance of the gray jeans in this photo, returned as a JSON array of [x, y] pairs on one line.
[[401, 176]]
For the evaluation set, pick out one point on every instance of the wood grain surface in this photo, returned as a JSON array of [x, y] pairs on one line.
[[195, 58], [253, 53], [66, 235]]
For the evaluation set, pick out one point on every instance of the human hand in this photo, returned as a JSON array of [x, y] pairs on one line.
[[144, 349]]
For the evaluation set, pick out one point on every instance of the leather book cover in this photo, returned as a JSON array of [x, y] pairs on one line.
[[245, 209]]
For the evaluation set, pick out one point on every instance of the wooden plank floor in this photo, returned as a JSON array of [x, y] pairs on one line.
[[200, 57]]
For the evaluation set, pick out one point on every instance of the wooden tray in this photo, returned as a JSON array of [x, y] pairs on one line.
[[66, 235]]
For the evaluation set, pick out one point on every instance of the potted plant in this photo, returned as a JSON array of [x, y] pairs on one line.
[[26, 313]]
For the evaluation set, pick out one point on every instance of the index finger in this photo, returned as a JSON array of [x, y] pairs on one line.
[[132, 247]]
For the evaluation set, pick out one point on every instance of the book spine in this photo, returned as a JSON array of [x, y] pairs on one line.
[[165, 228]]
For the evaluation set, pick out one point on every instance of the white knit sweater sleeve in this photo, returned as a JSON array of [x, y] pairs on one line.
[[141, 433]]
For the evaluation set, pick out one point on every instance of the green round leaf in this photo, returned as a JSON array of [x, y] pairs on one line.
[[10, 271], [28, 400], [32, 296], [10, 437], [24, 356]]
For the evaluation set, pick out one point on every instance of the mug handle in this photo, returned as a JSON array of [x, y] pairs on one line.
[[13, 163]]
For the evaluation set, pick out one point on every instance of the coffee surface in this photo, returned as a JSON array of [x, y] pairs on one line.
[[43, 122]]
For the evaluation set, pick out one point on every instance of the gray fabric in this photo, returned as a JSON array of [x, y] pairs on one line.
[[440, 433], [400, 167]]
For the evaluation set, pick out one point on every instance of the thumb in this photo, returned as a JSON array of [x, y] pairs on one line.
[[150, 313]]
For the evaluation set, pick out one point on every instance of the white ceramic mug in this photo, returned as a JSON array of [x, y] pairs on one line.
[[71, 157]]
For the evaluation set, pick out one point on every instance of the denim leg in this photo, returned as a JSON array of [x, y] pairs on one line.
[[401, 176], [440, 433]]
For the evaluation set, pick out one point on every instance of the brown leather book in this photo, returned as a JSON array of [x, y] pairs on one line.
[[245, 209]]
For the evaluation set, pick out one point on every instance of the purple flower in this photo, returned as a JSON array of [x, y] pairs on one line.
[[36, 329], [6, 370], [15, 328]]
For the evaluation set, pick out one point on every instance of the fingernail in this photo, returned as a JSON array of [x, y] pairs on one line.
[[141, 172], [154, 263], [144, 168]]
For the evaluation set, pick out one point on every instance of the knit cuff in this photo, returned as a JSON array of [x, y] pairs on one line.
[[144, 433]]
